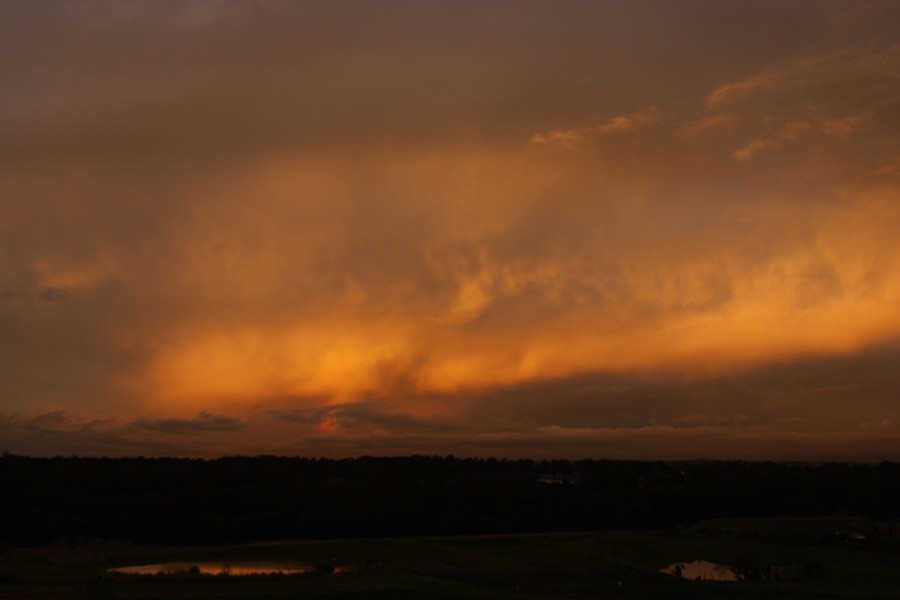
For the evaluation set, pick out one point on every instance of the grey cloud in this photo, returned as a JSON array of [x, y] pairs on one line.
[[362, 416], [303, 416], [50, 421], [666, 443], [47, 294], [60, 433], [203, 422], [365, 414], [828, 393], [54, 421], [54, 294]]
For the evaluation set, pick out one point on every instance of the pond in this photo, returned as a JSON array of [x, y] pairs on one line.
[[221, 567], [702, 569]]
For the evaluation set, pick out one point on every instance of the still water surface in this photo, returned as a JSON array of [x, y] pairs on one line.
[[234, 567], [701, 569]]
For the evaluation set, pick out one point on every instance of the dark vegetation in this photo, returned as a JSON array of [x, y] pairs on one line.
[[547, 566], [239, 499]]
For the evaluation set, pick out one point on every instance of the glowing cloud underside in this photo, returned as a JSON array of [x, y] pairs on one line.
[[365, 237]]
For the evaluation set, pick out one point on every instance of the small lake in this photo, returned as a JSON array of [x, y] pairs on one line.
[[702, 569], [221, 567]]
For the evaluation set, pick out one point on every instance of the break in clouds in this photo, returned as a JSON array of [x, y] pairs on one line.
[[611, 229]]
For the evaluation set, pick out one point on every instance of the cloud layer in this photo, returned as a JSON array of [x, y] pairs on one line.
[[341, 229]]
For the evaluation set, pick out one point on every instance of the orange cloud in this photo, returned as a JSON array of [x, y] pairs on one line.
[[357, 237], [573, 138]]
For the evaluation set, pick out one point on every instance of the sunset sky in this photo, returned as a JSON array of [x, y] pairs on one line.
[[624, 229]]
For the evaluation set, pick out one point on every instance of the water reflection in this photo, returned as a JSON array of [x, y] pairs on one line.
[[236, 567], [701, 569]]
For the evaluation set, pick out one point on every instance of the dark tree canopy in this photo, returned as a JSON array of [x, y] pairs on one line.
[[238, 499]]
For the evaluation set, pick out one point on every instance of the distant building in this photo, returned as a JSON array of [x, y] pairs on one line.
[[558, 479]]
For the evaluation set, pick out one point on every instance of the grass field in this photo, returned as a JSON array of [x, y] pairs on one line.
[[571, 565]]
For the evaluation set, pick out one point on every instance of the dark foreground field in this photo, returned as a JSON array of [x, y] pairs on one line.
[[857, 559]]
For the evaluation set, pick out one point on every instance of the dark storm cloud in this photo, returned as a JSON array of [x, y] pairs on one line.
[[824, 408], [201, 423], [60, 421], [823, 393], [478, 224], [363, 416], [63, 433]]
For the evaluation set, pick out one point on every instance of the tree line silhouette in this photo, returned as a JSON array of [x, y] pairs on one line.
[[239, 499]]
